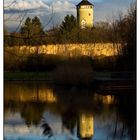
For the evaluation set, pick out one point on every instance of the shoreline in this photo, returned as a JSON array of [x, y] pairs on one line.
[[48, 76]]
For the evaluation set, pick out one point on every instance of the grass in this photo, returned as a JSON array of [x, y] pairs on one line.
[[37, 76], [106, 74], [44, 76]]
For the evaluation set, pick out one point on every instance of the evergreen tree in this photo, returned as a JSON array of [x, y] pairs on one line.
[[37, 27], [26, 29], [32, 31], [68, 24], [37, 31]]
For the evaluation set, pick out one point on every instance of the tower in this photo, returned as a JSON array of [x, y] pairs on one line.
[[85, 13]]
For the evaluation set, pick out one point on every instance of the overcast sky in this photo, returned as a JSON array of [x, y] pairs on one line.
[[15, 10]]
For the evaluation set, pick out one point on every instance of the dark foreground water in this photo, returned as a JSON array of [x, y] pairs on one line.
[[44, 112]]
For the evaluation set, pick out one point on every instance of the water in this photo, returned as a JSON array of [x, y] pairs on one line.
[[38, 111]]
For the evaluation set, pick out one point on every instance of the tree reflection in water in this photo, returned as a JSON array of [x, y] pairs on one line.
[[69, 118], [47, 131], [126, 113], [32, 113]]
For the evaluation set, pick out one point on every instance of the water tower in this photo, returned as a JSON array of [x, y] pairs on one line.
[[85, 13]]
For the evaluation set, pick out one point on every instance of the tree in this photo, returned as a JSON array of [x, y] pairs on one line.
[[26, 29], [127, 33], [68, 24], [37, 31], [68, 30], [37, 27], [32, 31], [6, 37]]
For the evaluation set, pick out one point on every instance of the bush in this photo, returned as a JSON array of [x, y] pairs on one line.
[[11, 62], [42, 62], [75, 71], [105, 63]]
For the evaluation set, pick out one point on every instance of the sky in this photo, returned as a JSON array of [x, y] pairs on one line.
[[52, 12]]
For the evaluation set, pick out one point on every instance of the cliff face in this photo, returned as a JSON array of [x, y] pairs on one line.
[[97, 49]]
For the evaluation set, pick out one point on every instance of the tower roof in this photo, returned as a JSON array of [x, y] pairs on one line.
[[84, 2]]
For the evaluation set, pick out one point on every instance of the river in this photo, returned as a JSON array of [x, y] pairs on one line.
[[39, 111]]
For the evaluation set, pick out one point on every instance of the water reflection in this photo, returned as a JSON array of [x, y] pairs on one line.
[[47, 130], [32, 113], [30, 93], [85, 126], [69, 119], [67, 113]]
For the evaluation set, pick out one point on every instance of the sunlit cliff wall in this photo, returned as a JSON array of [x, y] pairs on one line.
[[97, 49]]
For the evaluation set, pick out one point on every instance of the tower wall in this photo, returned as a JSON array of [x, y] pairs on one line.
[[85, 14]]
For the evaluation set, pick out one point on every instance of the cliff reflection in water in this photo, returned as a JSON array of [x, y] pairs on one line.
[[29, 93], [81, 112]]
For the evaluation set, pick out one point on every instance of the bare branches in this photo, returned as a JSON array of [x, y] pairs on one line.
[[20, 16], [21, 21], [13, 54], [11, 4], [51, 17]]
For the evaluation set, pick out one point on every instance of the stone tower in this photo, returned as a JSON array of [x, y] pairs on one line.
[[85, 13]]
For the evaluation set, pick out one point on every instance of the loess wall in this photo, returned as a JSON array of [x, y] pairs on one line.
[[97, 49]]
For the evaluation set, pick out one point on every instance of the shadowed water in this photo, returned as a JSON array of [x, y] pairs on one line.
[[38, 111]]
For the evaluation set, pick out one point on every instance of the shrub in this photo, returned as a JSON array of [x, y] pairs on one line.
[[42, 62], [75, 71], [11, 62]]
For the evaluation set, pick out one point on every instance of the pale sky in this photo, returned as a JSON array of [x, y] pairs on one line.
[[44, 9]]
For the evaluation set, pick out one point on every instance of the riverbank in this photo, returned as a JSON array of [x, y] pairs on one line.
[[48, 76], [28, 76], [103, 82]]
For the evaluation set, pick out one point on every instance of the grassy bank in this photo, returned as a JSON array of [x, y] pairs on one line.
[[28, 76], [50, 76], [44, 76]]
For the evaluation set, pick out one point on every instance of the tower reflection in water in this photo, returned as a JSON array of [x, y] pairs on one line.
[[85, 129]]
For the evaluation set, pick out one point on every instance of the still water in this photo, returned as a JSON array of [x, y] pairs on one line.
[[38, 111]]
